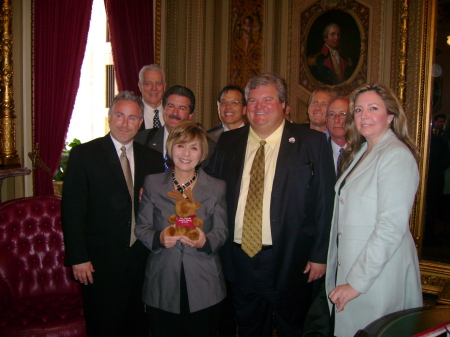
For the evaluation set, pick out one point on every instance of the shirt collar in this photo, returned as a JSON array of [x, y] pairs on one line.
[[226, 129], [272, 140], [148, 107], [118, 146]]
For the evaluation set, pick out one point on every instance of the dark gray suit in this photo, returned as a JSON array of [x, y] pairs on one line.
[[203, 271]]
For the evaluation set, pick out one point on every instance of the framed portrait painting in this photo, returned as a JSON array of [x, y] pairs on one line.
[[333, 44]]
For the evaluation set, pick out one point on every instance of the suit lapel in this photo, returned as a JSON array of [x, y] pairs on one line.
[[139, 169], [367, 162], [114, 161], [284, 155], [157, 142], [201, 192], [237, 162]]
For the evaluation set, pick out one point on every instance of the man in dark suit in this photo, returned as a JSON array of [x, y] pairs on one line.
[[178, 103], [231, 108], [152, 85], [290, 237], [337, 110], [98, 221]]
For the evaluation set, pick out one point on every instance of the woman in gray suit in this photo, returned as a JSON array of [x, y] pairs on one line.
[[372, 267], [184, 283]]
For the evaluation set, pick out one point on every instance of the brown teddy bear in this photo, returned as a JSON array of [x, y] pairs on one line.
[[186, 219]]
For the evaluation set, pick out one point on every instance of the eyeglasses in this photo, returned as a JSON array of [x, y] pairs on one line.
[[333, 115], [233, 103]]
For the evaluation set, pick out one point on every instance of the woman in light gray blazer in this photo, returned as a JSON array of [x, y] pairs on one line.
[[372, 267], [184, 283]]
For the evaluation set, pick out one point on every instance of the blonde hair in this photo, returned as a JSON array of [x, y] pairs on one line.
[[398, 125], [185, 132]]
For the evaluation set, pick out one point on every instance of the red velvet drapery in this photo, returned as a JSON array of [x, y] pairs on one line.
[[131, 33], [60, 35]]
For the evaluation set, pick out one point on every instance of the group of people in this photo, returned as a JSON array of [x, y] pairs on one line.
[[283, 207]]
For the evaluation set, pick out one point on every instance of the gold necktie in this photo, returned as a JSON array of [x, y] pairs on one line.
[[127, 172], [252, 228]]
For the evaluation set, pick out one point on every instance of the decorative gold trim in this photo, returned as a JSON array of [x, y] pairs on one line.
[[158, 31], [401, 79], [435, 276], [423, 116], [8, 153]]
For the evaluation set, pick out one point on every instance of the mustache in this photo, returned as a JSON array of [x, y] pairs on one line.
[[175, 117]]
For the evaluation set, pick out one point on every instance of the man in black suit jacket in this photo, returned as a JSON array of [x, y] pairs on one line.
[[337, 110], [297, 210], [178, 103], [97, 211]]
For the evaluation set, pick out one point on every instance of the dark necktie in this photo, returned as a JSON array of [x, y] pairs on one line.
[[338, 163], [166, 162], [156, 121], [129, 179], [252, 228]]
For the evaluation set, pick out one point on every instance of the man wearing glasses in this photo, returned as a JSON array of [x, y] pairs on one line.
[[231, 107], [337, 111]]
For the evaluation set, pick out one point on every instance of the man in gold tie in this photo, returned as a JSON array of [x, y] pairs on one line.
[[99, 202], [280, 200]]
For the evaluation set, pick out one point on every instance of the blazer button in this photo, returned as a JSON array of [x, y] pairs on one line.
[[339, 233], [128, 223], [341, 201], [129, 200], [339, 263]]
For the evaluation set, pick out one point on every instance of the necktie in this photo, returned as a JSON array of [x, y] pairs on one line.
[[252, 228], [166, 162], [127, 173], [156, 121], [338, 162]]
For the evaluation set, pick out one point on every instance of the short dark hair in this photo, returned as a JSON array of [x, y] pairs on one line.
[[230, 88], [180, 91], [436, 117], [127, 96]]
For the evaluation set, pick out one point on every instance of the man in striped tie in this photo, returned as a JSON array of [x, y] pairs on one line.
[[337, 111], [152, 85], [178, 104]]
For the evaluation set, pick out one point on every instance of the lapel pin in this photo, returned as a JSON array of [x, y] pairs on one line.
[[154, 144], [292, 140]]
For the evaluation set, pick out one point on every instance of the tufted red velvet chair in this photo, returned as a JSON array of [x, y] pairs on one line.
[[37, 296]]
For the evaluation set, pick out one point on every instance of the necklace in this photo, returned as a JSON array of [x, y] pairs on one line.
[[182, 187]]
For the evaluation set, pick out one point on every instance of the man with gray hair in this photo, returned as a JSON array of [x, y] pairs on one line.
[[280, 180], [99, 203], [152, 85]]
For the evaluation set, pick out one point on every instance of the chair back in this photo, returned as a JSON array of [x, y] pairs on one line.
[[32, 249]]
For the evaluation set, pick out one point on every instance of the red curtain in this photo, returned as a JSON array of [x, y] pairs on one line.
[[131, 34], [60, 35]]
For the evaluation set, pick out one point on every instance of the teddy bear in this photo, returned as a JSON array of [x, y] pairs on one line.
[[185, 219]]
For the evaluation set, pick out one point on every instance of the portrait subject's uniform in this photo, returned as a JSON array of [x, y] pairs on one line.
[[96, 219], [330, 67]]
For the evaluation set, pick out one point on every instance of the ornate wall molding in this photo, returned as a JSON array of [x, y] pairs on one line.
[[8, 153], [158, 15]]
